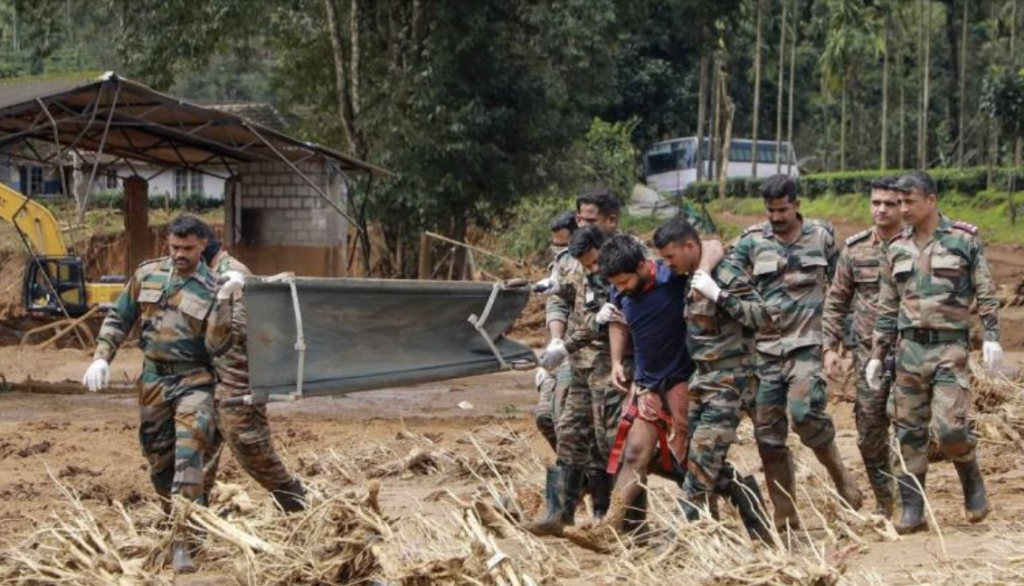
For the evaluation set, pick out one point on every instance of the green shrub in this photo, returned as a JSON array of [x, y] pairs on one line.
[[969, 182], [193, 202]]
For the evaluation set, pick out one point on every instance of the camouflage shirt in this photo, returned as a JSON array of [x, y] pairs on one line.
[[726, 329], [792, 279], [855, 288], [559, 305], [931, 286], [586, 340], [233, 366], [181, 320]]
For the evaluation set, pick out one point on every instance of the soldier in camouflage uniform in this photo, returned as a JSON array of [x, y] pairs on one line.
[[792, 261], [244, 427], [854, 292], [185, 322], [587, 423], [935, 268], [551, 388], [720, 323]]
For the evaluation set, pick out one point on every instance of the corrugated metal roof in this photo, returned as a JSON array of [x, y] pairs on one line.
[[120, 117]]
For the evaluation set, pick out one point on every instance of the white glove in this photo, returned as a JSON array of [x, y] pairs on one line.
[[540, 377], [608, 314], [873, 373], [705, 285], [548, 286], [992, 355], [97, 376], [553, 355], [235, 282]]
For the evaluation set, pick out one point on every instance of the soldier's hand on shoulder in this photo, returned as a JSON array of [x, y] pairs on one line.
[[235, 282]]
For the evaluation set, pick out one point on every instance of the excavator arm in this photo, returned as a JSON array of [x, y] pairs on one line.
[[54, 280]]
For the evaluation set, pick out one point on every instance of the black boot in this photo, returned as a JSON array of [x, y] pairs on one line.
[[569, 483], [780, 478], [975, 499], [745, 496], [829, 457], [635, 522], [696, 505], [913, 504], [181, 558], [291, 497], [881, 484], [599, 483]]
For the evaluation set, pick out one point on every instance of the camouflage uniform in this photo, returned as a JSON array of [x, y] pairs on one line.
[[792, 279], [925, 300], [854, 292], [721, 342], [552, 392], [244, 427], [183, 327], [587, 426]]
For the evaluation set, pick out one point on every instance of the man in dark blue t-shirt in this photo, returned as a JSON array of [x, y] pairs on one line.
[[652, 298]]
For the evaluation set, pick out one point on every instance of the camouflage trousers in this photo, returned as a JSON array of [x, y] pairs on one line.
[[176, 421], [793, 384], [870, 412], [932, 391], [550, 401], [717, 401], [246, 431], [589, 419]]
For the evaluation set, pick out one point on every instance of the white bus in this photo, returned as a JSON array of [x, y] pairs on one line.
[[671, 165]]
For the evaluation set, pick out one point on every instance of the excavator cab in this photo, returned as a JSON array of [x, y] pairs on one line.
[[48, 278]]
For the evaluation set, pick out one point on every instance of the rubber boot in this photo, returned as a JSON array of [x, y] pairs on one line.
[[696, 505], [881, 485], [569, 483], [829, 457], [291, 497], [181, 557], [913, 505], [781, 481], [975, 499], [599, 483], [635, 522], [746, 497]]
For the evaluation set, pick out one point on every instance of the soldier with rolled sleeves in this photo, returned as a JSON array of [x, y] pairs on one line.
[[792, 260], [185, 321], [244, 428], [551, 388], [854, 292], [935, 268]]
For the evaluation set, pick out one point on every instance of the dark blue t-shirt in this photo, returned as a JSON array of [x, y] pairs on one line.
[[658, 329]]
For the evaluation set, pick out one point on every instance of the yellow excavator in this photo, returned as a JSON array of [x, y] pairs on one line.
[[54, 280]]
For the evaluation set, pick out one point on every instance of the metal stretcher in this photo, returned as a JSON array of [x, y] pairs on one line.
[[315, 337]]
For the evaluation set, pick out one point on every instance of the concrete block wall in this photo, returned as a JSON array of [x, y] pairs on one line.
[[289, 211]]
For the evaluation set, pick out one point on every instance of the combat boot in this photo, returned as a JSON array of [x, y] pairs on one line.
[[975, 499], [781, 481], [912, 499], [881, 485], [745, 496], [569, 483], [829, 457], [696, 504], [599, 484], [290, 498]]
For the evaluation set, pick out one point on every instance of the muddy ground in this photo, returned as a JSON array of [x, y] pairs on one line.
[[53, 434]]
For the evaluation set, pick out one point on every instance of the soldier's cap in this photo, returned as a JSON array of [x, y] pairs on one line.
[[918, 180]]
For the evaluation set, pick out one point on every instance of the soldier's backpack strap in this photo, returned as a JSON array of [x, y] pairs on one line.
[[966, 227], [858, 237]]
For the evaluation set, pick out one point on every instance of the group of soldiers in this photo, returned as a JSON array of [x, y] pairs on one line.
[[655, 354], [192, 332]]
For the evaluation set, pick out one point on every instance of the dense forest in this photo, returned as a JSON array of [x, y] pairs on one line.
[[477, 105]]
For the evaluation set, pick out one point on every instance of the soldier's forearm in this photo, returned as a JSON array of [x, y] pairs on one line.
[[711, 254], [556, 328], [218, 327]]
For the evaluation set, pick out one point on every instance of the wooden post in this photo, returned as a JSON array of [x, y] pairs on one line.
[[136, 223], [423, 272]]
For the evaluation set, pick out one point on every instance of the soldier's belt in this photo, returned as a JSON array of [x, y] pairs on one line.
[[731, 363], [169, 368], [923, 336]]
